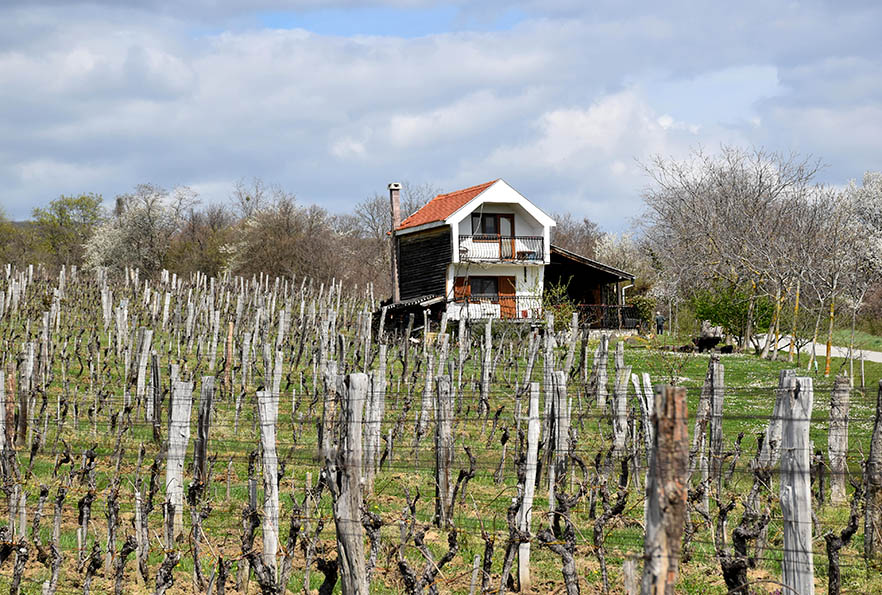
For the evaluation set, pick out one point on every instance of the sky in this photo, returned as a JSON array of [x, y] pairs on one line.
[[566, 100]]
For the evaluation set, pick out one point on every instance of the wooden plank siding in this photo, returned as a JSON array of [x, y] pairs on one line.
[[422, 262]]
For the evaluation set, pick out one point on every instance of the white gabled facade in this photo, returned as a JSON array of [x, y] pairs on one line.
[[501, 243]]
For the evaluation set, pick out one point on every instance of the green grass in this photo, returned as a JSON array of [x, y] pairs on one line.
[[862, 340]]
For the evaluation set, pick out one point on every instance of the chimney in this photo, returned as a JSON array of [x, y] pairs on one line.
[[395, 200]]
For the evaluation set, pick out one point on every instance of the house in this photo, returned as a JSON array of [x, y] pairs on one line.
[[485, 252]]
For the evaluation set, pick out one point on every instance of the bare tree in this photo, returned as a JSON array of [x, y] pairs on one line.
[[720, 218]]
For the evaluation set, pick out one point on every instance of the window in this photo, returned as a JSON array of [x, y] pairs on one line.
[[492, 224], [485, 286]]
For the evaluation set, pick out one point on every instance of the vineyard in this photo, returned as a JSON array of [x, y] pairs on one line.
[[272, 435]]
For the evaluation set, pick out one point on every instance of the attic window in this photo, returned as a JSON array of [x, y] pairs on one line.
[[492, 224]]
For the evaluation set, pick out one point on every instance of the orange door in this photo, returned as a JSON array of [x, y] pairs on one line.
[[507, 302], [461, 289]]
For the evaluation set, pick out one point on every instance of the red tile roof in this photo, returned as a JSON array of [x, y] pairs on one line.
[[444, 205]]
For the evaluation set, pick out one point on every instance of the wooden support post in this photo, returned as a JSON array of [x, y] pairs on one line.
[[620, 410], [203, 426], [837, 438], [143, 358], [376, 406], [344, 471], [715, 427], [873, 514], [525, 512], [572, 339], [178, 437], [268, 413], [486, 364], [443, 452], [796, 496], [666, 490], [601, 362]]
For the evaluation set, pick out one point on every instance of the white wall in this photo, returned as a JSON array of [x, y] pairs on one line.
[[524, 223], [528, 284]]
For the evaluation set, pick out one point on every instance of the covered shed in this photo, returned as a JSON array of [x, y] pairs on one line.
[[596, 288]]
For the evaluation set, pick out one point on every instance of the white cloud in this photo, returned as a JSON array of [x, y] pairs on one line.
[[99, 97]]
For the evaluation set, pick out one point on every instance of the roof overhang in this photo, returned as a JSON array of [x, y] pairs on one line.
[[423, 227], [500, 192], [583, 260]]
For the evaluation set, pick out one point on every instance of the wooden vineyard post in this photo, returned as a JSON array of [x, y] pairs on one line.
[[343, 465], [873, 515], [154, 400], [443, 451], [796, 496], [2, 412], [620, 409], [572, 338], [715, 427], [837, 438], [558, 429], [268, 413], [206, 397], [9, 419], [666, 490], [376, 405], [143, 357], [486, 364], [178, 436], [601, 361], [526, 510], [228, 360]]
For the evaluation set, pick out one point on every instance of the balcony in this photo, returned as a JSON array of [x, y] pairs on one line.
[[520, 307], [497, 248], [515, 307]]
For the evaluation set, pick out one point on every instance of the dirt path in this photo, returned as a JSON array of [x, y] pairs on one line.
[[821, 350]]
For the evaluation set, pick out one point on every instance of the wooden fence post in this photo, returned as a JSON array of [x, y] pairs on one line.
[[620, 409], [443, 451], [873, 515], [796, 496], [2, 411], [376, 406], [203, 426], [268, 413], [715, 427], [666, 490], [344, 470], [526, 511], [837, 438], [600, 365], [178, 436]]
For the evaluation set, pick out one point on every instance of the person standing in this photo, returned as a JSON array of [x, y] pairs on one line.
[[659, 323]]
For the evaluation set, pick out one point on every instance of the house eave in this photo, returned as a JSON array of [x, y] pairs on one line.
[[622, 275], [423, 227]]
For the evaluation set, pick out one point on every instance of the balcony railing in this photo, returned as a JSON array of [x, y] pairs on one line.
[[516, 307], [496, 248], [595, 316]]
